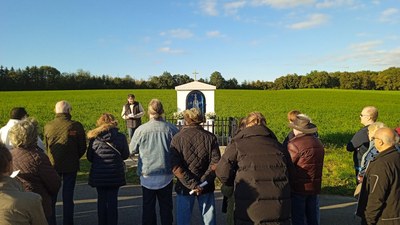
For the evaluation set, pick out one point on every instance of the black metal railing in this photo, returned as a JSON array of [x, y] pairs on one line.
[[223, 127]]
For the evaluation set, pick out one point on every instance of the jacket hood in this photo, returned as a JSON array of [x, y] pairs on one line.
[[256, 130], [104, 132]]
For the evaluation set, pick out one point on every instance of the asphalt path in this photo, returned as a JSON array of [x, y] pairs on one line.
[[334, 210]]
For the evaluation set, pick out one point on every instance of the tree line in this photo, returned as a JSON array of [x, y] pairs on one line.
[[50, 78]]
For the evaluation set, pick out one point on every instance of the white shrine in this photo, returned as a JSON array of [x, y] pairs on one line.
[[196, 95]]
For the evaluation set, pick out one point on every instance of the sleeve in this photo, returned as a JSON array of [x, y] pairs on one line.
[[225, 170], [358, 141], [40, 144], [90, 151], [378, 185], [81, 136], [294, 153], [215, 153], [124, 148], [49, 176], [141, 113], [134, 144], [180, 169], [123, 113], [36, 212]]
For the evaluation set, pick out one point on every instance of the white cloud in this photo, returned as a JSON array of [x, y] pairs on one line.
[[214, 34], [209, 7], [169, 50], [282, 3], [233, 7], [390, 15], [365, 47], [312, 21], [178, 33], [334, 3]]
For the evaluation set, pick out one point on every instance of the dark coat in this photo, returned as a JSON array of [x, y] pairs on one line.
[[307, 154], [195, 152], [359, 144], [37, 175], [262, 190], [65, 142], [107, 169], [379, 197]]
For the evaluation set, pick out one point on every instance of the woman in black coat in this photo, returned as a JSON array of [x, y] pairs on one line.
[[258, 165], [107, 151]]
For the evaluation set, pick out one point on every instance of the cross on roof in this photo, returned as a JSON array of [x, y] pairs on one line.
[[195, 73]]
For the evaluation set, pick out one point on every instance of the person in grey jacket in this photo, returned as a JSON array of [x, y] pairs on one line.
[[152, 141], [379, 197]]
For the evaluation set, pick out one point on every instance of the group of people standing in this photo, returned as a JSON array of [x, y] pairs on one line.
[[263, 181]]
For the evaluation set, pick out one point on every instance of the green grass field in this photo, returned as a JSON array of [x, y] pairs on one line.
[[335, 112]]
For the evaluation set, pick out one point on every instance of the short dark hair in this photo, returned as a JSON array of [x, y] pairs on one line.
[[18, 113], [5, 158], [131, 96]]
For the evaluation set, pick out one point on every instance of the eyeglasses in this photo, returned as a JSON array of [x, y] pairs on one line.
[[375, 138]]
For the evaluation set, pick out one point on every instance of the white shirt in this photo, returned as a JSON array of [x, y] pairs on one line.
[[4, 135]]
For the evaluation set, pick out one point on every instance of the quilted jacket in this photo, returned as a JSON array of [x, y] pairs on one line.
[[195, 153], [107, 169], [37, 174]]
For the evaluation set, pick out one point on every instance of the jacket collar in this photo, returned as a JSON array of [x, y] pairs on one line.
[[256, 130], [386, 152], [8, 183], [65, 116]]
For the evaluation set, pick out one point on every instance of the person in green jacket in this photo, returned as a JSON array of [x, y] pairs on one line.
[[65, 141]]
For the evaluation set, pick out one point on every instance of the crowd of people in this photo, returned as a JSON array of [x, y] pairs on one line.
[[263, 181]]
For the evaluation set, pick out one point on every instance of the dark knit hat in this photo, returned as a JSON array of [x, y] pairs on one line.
[[18, 113]]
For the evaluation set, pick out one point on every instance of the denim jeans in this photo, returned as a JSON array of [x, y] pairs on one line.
[[305, 209], [68, 187], [184, 207], [131, 131], [107, 205], [164, 197]]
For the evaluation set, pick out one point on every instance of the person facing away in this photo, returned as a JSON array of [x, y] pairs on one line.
[[195, 153], [107, 151], [16, 115], [307, 155], [17, 206], [132, 113], [359, 143], [36, 172], [152, 142], [379, 197], [256, 162], [372, 151], [65, 141]]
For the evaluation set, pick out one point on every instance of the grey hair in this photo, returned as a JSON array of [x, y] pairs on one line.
[[24, 134], [63, 107]]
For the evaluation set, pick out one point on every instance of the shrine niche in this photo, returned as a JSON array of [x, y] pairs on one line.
[[196, 99], [196, 95]]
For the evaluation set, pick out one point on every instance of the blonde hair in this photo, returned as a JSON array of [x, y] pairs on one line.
[[255, 118], [24, 134], [373, 128], [105, 122], [155, 108], [292, 115]]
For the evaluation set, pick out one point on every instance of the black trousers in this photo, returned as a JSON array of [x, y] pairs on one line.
[[164, 197]]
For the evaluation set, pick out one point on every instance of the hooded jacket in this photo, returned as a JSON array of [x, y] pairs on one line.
[[107, 169], [261, 181]]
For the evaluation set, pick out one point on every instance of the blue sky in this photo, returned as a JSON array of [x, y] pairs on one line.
[[243, 39]]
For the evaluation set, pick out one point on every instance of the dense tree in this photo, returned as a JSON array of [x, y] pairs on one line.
[[217, 80]]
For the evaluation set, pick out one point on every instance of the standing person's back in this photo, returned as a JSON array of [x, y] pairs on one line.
[[262, 191], [152, 141], [195, 153], [65, 143], [17, 206]]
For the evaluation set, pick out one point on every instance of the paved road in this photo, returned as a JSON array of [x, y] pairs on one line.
[[335, 210]]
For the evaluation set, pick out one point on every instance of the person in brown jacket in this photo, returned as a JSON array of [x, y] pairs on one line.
[[35, 171], [307, 154], [17, 206]]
